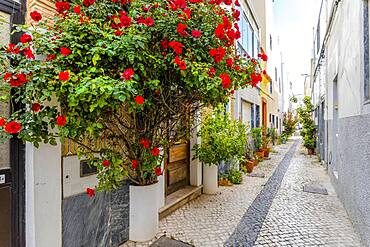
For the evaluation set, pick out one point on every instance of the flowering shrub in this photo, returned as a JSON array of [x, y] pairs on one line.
[[130, 72]]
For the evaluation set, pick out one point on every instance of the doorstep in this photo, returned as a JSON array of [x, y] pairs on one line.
[[178, 199]]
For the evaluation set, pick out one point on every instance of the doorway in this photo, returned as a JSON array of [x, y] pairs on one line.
[[335, 123]]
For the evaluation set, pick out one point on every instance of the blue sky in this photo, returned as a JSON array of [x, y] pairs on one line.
[[294, 22]]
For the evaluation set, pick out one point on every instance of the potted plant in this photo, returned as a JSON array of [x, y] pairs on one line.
[[257, 142], [308, 131], [222, 139], [81, 77]]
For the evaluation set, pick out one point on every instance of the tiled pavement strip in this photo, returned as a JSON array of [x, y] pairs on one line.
[[248, 214]]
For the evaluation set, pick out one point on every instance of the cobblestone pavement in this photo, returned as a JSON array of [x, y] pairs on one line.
[[209, 220], [270, 211], [298, 218]]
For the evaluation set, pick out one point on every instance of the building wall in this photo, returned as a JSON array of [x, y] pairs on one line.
[[347, 121]]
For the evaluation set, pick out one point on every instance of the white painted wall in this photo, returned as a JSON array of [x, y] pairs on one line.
[[43, 196]]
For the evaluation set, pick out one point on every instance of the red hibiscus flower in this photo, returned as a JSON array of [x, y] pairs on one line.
[[225, 80], [2, 121], [62, 7], [176, 46], [148, 21], [105, 163], [118, 33], [155, 152], [181, 29], [13, 49], [77, 9], [61, 121], [211, 72], [25, 38], [87, 3], [128, 74], [139, 100], [217, 54], [28, 53], [229, 62], [36, 107], [90, 192], [196, 33], [36, 16], [13, 127], [64, 75], [263, 57], [144, 142], [51, 57], [65, 51], [180, 63], [17, 80], [158, 171], [133, 164]]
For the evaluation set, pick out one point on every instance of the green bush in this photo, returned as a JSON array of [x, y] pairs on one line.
[[289, 124], [234, 176], [222, 138], [308, 131], [257, 138]]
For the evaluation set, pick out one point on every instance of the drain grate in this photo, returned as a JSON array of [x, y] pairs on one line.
[[167, 242], [256, 175], [315, 189]]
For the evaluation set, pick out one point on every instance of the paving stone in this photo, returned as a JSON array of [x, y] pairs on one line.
[[315, 189]]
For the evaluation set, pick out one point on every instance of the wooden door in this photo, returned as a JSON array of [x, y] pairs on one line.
[[177, 168]]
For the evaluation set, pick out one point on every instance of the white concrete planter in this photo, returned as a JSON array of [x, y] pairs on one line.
[[143, 212], [210, 179]]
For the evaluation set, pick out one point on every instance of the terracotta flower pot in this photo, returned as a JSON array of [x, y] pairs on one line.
[[266, 152], [260, 154], [311, 151], [249, 165], [255, 162]]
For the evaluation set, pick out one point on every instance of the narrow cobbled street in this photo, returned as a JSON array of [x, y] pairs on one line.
[[270, 208]]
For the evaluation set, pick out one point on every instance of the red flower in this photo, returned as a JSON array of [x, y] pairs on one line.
[[255, 79], [61, 120], [12, 49], [237, 67], [18, 80], [65, 51], [176, 46], [118, 33], [211, 72], [181, 29], [36, 107], [232, 91], [220, 32], [217, 54], [237, 3], [90, 192], [229, 62], [225, 80], [158, 171], [62, 7], [236, 14], [64, 75], [180, 63], [13, 127], [125, 21], [51, 57], [263, 57], [105, 163], [164, 44], [149, 21], [155, 151], [77, 9], [196, 33], [144, 142], [25, 38], [28, 53], [133, 164], [128, 74], [2, 121], [36, 16], [139, 100], [87, 3]]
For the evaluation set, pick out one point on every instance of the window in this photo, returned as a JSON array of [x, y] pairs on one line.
[[249, 40], [252, 115], [279, 85], [277, 122], [270, 42], [318, 38], [257, 116], [271, 86]]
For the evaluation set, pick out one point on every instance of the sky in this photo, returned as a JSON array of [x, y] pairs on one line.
[[294, 22]]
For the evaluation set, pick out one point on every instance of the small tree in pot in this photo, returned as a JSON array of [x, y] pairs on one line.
[[308, 131]]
